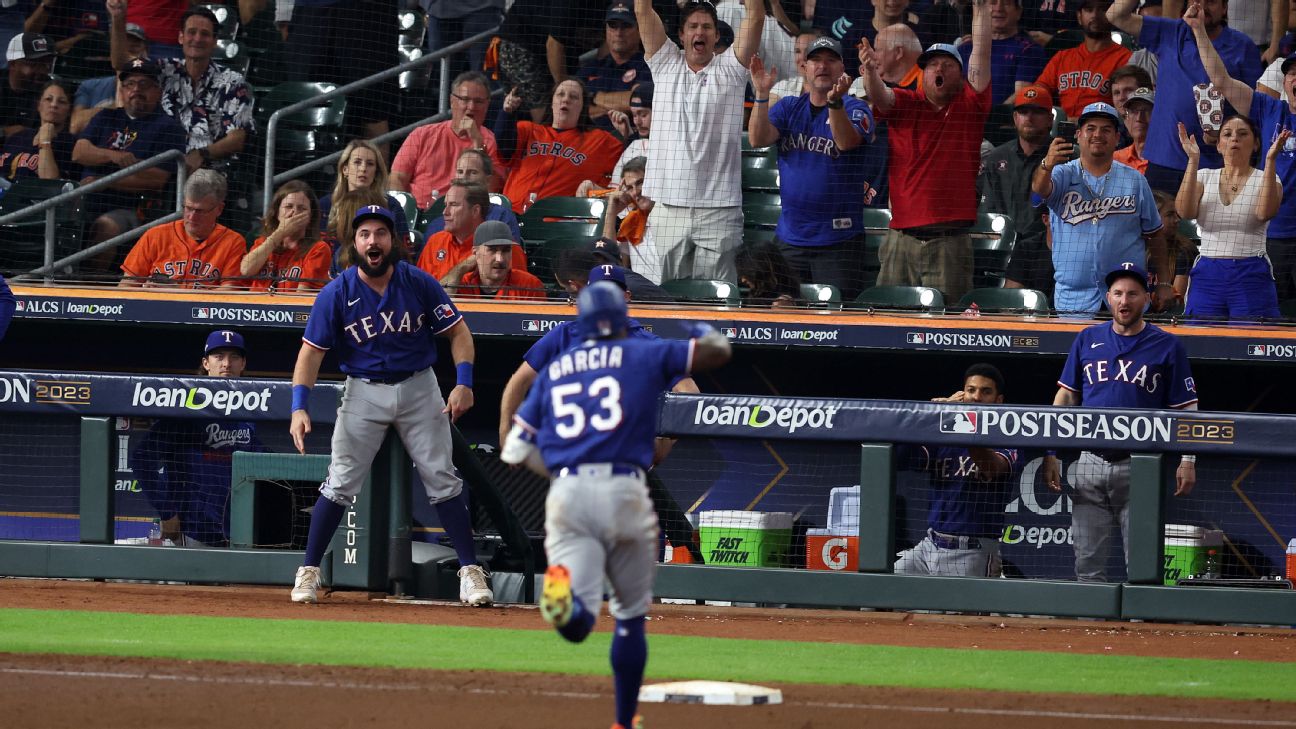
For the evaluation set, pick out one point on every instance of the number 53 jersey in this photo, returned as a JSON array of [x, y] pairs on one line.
[[597, 402]]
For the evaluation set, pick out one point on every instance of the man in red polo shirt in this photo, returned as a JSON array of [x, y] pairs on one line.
[[466, 204], [935, 152], [489, 273]]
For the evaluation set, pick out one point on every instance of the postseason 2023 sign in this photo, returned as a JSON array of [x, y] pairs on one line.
[[172, 397], [959, 424]]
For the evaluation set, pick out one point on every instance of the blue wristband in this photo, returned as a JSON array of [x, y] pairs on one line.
[[463, 374], [301, 396], [1051, 452]]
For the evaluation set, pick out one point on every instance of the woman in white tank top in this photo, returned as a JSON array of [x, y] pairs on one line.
[[1231, 278]]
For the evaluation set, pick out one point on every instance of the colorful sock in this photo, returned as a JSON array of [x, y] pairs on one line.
[[457, 524], [580, 624], [629, 656], [325, 518]]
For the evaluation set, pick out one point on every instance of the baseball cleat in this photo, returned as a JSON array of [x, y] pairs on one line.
[[306, 586], [556, 598], [637, 723], [474, 590]]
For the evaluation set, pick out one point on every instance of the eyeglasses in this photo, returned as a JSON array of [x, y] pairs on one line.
[[195, 210], [140, 83], [471, 99]]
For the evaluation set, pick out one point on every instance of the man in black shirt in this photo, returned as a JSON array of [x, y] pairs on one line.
[[30, 56]]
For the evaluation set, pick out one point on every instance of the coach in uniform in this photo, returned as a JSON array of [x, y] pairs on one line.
[[1099, 213], [970, 488], [821, 157], [1125, 363], [381, 315], [185, 464], [588, 423]]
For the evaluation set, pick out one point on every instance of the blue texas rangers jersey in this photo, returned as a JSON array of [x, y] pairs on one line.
[[374, 335], [185, 468], [824, 189], [597, 402], [565, 336], [1097, 223], [961, 501], [1146, 370]]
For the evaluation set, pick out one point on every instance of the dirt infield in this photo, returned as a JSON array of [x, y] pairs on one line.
[[109, 692]]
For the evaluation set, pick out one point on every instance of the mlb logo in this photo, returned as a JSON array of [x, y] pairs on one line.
[[914, 338], [964, 421], [731, 332], [444, 311], [22, 305], [1256, 350], [201, 312], [530, 325]]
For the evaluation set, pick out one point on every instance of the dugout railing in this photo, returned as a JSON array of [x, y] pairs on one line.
[[879, 425], [371, 551]]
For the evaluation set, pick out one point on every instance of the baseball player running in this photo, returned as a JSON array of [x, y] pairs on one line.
[[1124, 363], [380, 315], [588, 423]]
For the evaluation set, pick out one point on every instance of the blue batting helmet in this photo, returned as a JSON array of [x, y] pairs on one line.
[[601, 309]]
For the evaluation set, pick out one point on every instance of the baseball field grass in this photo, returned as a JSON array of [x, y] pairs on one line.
[[396, 645]]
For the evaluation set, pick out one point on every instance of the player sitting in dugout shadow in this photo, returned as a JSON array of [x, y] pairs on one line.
[[185, 465]]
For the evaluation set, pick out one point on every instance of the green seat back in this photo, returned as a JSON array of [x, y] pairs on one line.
[[899, 297], [821, 295], [1006, 300], [703, 290]]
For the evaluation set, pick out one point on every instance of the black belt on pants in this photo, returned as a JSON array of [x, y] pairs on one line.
[[394, 378], [613, 469], [1112, 456], [953, 541]]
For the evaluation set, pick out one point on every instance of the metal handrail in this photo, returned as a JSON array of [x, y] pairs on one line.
[[272, 127], [49, 205]]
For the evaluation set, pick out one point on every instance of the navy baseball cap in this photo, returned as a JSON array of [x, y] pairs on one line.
[[141, 67], [641, 97], [938, 49], [606, 250], [621, 12], [1287, 63], [1099, 108], [824, 43], [1129, 270], [224, 339], [608, 272], [376, 212]]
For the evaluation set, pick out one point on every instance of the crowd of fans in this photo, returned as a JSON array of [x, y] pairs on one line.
[[1095, 126]]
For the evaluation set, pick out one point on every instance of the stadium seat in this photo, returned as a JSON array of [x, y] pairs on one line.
[[409, 207], [560, 217], [24, 240], [768, 198], [760, 179], [760, 216], [821, 295], [876, 219], [543, 260], [305, 135], [1014, 301], [755, 235], [703, 290], [550, 209], [413, 29], [899, 297], [232, 55], [993, 238], [325, 114]]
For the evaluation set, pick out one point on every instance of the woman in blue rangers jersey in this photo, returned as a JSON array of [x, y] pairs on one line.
[[185, 464]]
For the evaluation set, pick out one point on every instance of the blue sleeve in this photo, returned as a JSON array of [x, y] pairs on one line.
[[511, 221], [778, 113], [1159, 32], [322, 324], [437, 301], [1061, 176], [1070, 377], [1250, 66], [676, 358], [398, 212], [862, 117], [1183, 389], [1030, 64], [506, 133], [530, 413], [1149, 216], [543, 351], [7, 306]]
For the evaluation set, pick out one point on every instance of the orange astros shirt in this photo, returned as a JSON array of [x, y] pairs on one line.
[[167, 250], [519, 285], [442, 253], [550, 163], [1078, 77], [283, 270]]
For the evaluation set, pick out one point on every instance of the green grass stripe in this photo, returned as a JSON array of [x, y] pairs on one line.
[[401, 645]]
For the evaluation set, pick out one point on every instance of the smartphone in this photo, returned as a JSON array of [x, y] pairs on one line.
[[1067, 130]]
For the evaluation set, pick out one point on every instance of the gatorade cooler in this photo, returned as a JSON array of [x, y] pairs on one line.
[[1186, 548], [745, 538], [1291, 560], [826, 550]]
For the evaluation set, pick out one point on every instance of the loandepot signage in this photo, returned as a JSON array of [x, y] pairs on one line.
[[783, 417], [1079, 425], [201, 398]]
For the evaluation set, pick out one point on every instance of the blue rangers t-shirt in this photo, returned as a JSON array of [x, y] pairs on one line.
[[1097, 224], [823, 188], [1272, 116], [1013, 59], [567, 335], [379, 336], [1179, 68], [597, 402], [962, 502], [1145, 370]]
